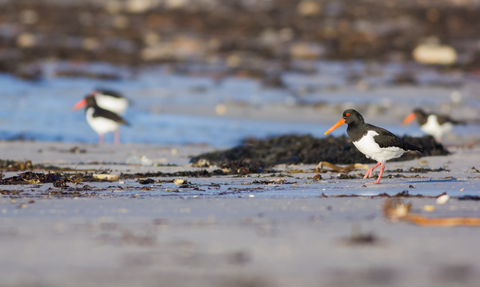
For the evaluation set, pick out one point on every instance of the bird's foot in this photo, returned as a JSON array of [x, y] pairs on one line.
[[376, 182], [368, 174]]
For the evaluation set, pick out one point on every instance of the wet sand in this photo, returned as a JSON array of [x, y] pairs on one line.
[[231, 230]]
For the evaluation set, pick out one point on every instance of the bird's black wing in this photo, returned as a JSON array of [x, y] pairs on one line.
[[109, 92], [443, 119], [99, 112], [388, 139]]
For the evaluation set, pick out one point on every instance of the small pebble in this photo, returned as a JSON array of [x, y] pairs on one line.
[[429, 208], [317, 177], [443, 199], [178, 181]]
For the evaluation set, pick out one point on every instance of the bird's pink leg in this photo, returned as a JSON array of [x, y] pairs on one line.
[[379, 176], [117, 136], [100, 139], [369, 172]]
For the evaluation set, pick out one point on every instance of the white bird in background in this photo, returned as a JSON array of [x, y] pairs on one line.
[[104, 101], [433, 124]]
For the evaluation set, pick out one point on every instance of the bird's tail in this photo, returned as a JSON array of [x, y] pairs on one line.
[[414, 148], [459, 122]]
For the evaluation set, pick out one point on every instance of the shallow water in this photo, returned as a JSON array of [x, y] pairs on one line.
[[41, 110]]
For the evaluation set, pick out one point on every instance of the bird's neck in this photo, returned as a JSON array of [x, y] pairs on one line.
[[354, 130]]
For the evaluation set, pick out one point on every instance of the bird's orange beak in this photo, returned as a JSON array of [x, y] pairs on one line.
[[339, 123], [408, 119], [79, 105]]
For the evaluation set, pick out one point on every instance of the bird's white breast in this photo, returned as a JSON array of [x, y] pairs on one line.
[[432, 127], [99, 124], [371, 149]]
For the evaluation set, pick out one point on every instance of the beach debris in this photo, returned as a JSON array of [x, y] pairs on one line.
[[292, 171], [403, 194], [469, 197], [74, 149], [442, 199], [110, 177], [139, 160], [309, 8], [396, 210], [220, 109], [59, 179], [239, 257], [361, 239], [31, 178], [337, 168], [429, 208], [201, 163], [347, 176], [196, 173], [178, 181], [434, 54], [278, 180], [14, 165], [358, 237], [419, 170], [146, 181], [61, 183], [245, 167], [473, 170], [270, 182]]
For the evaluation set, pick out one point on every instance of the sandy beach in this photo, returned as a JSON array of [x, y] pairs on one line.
[[205, 76], [229, 230]]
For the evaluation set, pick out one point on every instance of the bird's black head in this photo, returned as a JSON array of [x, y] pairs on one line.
[[351, 116], [91, 102], [419, 112]]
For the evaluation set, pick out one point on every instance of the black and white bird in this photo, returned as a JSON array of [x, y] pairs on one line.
[[108, 100], [374, 142], [111, 100], [101, 120], [433, 124]]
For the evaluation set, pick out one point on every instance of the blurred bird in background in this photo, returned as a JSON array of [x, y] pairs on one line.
[[103, 110], [435, 125]]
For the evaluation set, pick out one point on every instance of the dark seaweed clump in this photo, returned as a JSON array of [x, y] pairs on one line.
[[58, 179], [233, 167], [310, 150], [31, 177]]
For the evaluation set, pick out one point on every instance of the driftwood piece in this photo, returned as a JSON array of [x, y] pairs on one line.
[[395, 210], [337, 168], [112, 177]]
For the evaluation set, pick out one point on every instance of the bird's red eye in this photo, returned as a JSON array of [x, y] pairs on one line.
[[348, 114]]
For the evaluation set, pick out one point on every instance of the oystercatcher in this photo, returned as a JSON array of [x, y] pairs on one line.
[[108, 100], [101, 120], [432, 124], [374, 142], [111, 100]]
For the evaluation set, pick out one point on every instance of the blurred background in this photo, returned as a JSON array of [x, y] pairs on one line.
[[214, 72]]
